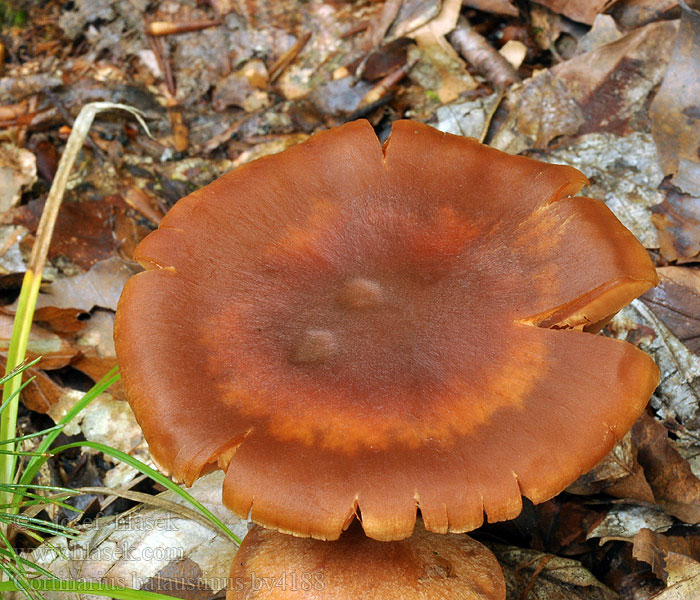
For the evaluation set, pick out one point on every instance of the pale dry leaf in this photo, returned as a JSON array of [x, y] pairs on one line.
[[623, 173], [624, 521], [149, 545], [678, 393], [440, 68], [548, 577], [17, 172], [576, 10], [611, 83], [675, 111]]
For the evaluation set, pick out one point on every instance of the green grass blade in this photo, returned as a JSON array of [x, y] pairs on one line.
[[35, 463], [156, 476]]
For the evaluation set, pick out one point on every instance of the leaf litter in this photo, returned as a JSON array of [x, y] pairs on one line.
[[609, 87]]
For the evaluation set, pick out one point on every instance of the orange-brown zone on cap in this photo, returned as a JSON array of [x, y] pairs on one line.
[[350, 329], [274, 566]]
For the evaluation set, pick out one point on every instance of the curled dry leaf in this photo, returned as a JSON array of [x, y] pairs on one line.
[[630, 14], [470, 118], [577, 10], [612, 82], [619, 474], [675, 486], [538, 576], [440, 69], [625, 521], [108, 421], [604, 31], [683, 581], [675, 111], [676, 301], [677, 219], [652, 548], [96, 344]]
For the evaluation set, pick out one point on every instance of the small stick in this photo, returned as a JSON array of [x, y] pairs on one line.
[[163, 63], [159, 28], [278, 67], [476, 50]]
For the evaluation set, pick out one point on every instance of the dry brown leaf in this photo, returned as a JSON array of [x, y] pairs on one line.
[[668, 473], [536, 576], [149, 548], [625, 521], [498, 7], [583, 11], [604, 31], [96, 345], [631, 14], [677, 396], [68, 297], [56, 352], [683, 581], [612, 82], [440, 68], [618, 474], [542, 109], [675, 111], [676, 301], [652, 547], [83, 233], [678, 220], [17, 171]]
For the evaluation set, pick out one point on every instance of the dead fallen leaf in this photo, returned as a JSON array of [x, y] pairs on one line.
[[675, 111], [440, 69], [498, 7], [583, 12], [69, 297], [619, 474], [17, 171], [604, 31], [678, 220], [541, 110], [668, 473], [623, 172], [612, 82], [652, 548], [56, 352], [537, 576], [96, 344], [469, 118], [625, 521], [630, 14], [678, 393], [676, 301], [149, 548], [83, 233]]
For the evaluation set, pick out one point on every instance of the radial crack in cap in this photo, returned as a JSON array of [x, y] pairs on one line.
[[350, 329]]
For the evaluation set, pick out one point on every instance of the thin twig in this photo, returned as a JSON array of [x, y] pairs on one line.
[[476, 50]]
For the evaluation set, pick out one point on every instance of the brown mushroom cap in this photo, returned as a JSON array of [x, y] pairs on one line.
[[350, 329], [271, 566]]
